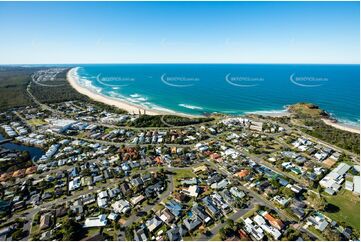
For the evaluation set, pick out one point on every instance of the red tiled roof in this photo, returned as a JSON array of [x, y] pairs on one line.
[[243, 173]]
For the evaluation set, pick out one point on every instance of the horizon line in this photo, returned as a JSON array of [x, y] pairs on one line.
[[177, 63]]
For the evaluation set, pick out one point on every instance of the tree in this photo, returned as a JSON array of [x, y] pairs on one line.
[[292, 235], [287, 192], [275, 183], [331, 235], [317, 202], [239, 204], [85, 172], [18, 234], [222, 233], [129, 233], [72, 230], [230, 223]]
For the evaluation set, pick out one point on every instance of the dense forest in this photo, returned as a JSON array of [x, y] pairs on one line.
[[343, 139], [13, 82], [168, 120]]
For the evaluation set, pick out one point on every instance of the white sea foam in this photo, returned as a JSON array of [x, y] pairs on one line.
[[349, 123], [137, 98], [266, 111], [115, 94], [87, 84], [190, 106], [235, 112], [133, 100], [129, 100], [142, 101], [158, 108], [135, 95], [84, 81], [139, 101]]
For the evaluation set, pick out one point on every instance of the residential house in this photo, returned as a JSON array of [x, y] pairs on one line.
[[121, 206], [166, 216], [318, 221], [176, 233], [275, 222], [45, 221], [253, 229], [174, 207], [99, 221], [333, 180], [192, 223], [270, 230], [140, 235], [153, 223], [201, 213], [191, 191]]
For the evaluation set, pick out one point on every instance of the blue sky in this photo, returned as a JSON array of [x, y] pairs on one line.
[[179, 32]]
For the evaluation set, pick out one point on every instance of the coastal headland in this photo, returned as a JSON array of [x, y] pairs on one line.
[[312, 111]]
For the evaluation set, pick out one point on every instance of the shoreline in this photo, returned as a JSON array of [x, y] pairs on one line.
[[136, 109], [342, 126], [72, 77]]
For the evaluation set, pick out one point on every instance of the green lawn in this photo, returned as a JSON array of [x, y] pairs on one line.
[[216, 237], [182, 174], [187, 238], [316, 232], [92, 231], [36, 122], [349, 208], [108, 130]]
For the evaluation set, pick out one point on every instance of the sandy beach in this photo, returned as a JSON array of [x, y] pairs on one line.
[[135, 109], [342, 126], [131, 108]]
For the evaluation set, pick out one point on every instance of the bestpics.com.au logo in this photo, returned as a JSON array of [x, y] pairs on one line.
[[179, 81], [115, 81], [308, 81], [243, 81]]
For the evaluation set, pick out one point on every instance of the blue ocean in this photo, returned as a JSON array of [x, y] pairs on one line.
[[229, 88]]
